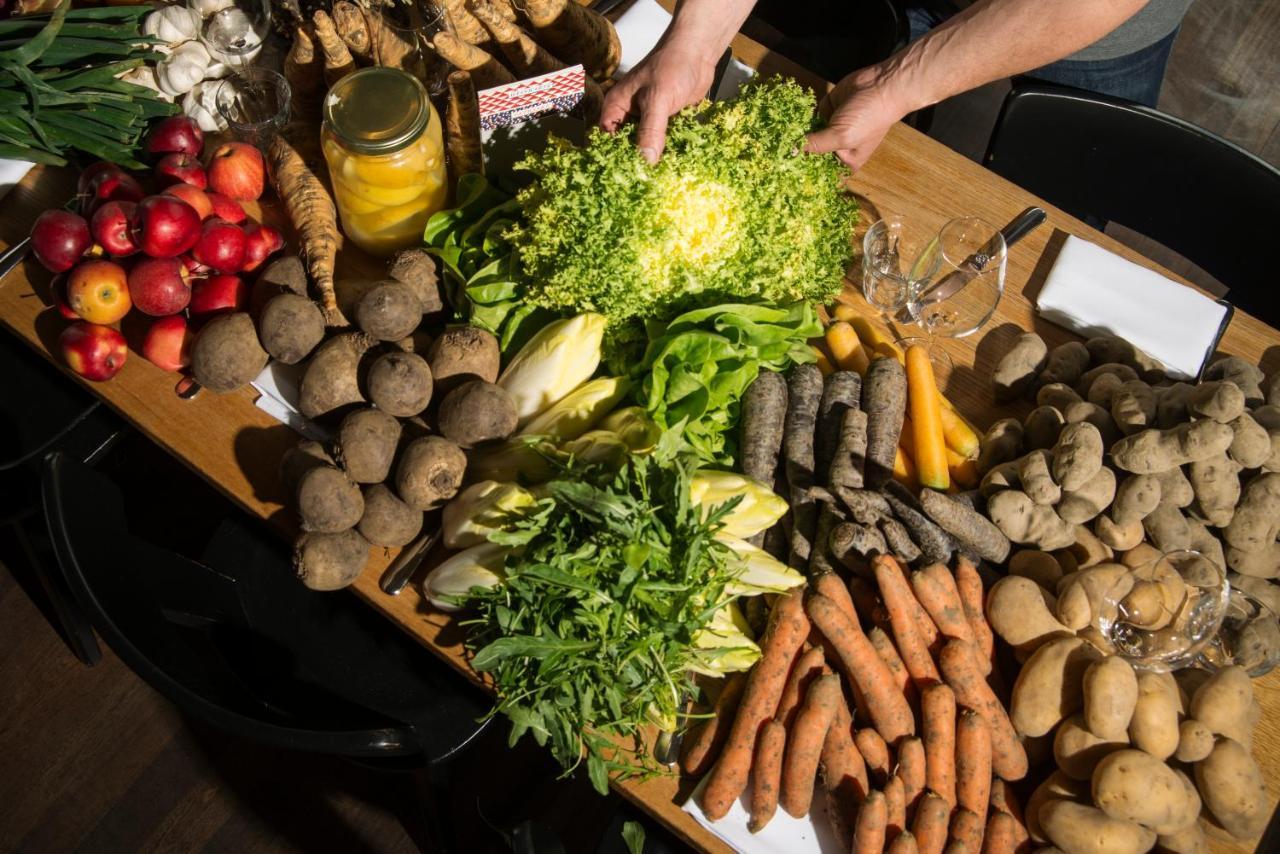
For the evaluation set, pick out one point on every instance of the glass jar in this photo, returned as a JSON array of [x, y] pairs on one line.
[[382, 142]]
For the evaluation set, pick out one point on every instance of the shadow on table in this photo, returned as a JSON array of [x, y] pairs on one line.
[[258, 452]]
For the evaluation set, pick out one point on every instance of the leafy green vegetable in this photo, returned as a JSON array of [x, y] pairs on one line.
[[697, 367], [593, 631], [734, 211], [633, 836]]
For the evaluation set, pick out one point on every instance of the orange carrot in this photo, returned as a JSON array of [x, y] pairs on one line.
[[1001, 836], [923, 622], [899, 599], [830, 585], [960, 669], [804, 744], [766, 773], [702, 747], [903, 843], [867, 602], [889, 653], [973, 762], [935, 589], [930, 444], [808, 666], [873, 750], [788, 627], [930, 824], [895, 801], [846, 348], [843, 771], [869, 830], [966, 828], [885, 704], [955, 846], [912, 770], [938, 714], [960, 436], [969, 586], [1004, 799]]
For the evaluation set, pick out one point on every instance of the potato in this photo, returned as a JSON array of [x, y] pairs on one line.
[[463, 353], [389, 311], [1103, 585], [1057, 395], [476, 412], [1246, 376], [1154, 725], [1074, 610], [1019, 612], [1232, 788], [1088, 549], [1083, 504], [388, 521], [1077, 456], [1190, 840], [1050, 685], [1257, 518], [1016, 372], [1216, 483], [1195, 741], [1067, 362], [328, 501], [400, 384], [1002, 443], [1222, 401], [1135, 786], [1225, 704], [330, 561], [1171, 405], [1037, 483], [290, 327], [1251, 446], [1081, 829], [1078, 751], [1153, 451], [1110, 694], [1041, 428], [429, 472], [367, 441], [331, 380], [1116, 372], [1119, 537], [1040, 567], [226, 353], [1136, 496], [1085, 412], [1023, 521], [1057, 786], [1133, 407]]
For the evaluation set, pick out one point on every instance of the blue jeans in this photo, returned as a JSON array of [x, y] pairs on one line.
[[1135, 77]]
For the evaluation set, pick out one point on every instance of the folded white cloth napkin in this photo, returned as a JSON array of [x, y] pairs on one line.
[[1093, 291], [812, 834], [278, 387], [639, 29], [11, 172]]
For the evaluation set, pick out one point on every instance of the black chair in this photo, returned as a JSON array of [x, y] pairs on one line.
[[1103, 159], [237, 642]]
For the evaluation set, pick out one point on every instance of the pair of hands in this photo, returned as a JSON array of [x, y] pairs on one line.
[[859, 110]]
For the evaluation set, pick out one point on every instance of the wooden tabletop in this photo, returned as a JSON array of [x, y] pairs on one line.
[[237, 447]]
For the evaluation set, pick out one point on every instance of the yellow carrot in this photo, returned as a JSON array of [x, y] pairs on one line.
[[927, 440], [844, 311], [846, 348], [873, 339], [904, 471], [960, 436], [964, 471], [824, 361]]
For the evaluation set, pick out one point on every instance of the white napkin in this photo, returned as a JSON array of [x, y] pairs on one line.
[[278, 397], [812, 834], [1093, 291], [639, 29], [11, 172]]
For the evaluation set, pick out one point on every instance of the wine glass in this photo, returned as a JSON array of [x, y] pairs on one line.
[[893, 257], [255, 104], [1249, 637], [958, 279], [1163, 614], [233, 31]]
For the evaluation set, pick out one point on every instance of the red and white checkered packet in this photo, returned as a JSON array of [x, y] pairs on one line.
[[516, 117]]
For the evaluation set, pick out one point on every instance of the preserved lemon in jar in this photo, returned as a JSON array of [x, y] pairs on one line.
[[382, 142]]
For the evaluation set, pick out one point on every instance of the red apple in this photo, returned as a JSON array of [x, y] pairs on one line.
[[165, 226], [260, 241], [58, 290], [221, 246], [110, 185], [168, 343], [194, 267], [180, 169], [176, 134], [59, 238], [94, 352], [112, 227], [90, 173], [218, 294], [160, 286], [228, 209], [236, 170], [98, 291], [193, 196]]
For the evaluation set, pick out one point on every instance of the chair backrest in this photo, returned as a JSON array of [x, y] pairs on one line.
[[183, 628], [1110, 160]]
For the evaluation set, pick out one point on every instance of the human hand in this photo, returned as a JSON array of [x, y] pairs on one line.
[[859, 111], [666, 81]]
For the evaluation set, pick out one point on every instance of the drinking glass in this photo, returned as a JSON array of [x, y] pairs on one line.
[[892, 257], [1162, 615], [233, 31], [958, 278], [255, 104], [1249, 636], [406, 42]]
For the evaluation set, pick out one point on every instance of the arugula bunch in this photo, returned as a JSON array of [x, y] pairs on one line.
[[591, 634]]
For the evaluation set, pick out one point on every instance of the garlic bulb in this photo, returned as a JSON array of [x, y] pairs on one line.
[[145, 75], [173, 25], [201, 104], [205, 8], [181, 70]]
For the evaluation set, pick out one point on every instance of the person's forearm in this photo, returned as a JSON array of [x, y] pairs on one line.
[[997, 38], [707, 26]]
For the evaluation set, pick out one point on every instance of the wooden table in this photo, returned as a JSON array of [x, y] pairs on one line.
[[236, 446]]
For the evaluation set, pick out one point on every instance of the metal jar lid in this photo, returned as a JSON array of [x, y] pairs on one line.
[[377, 110]]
